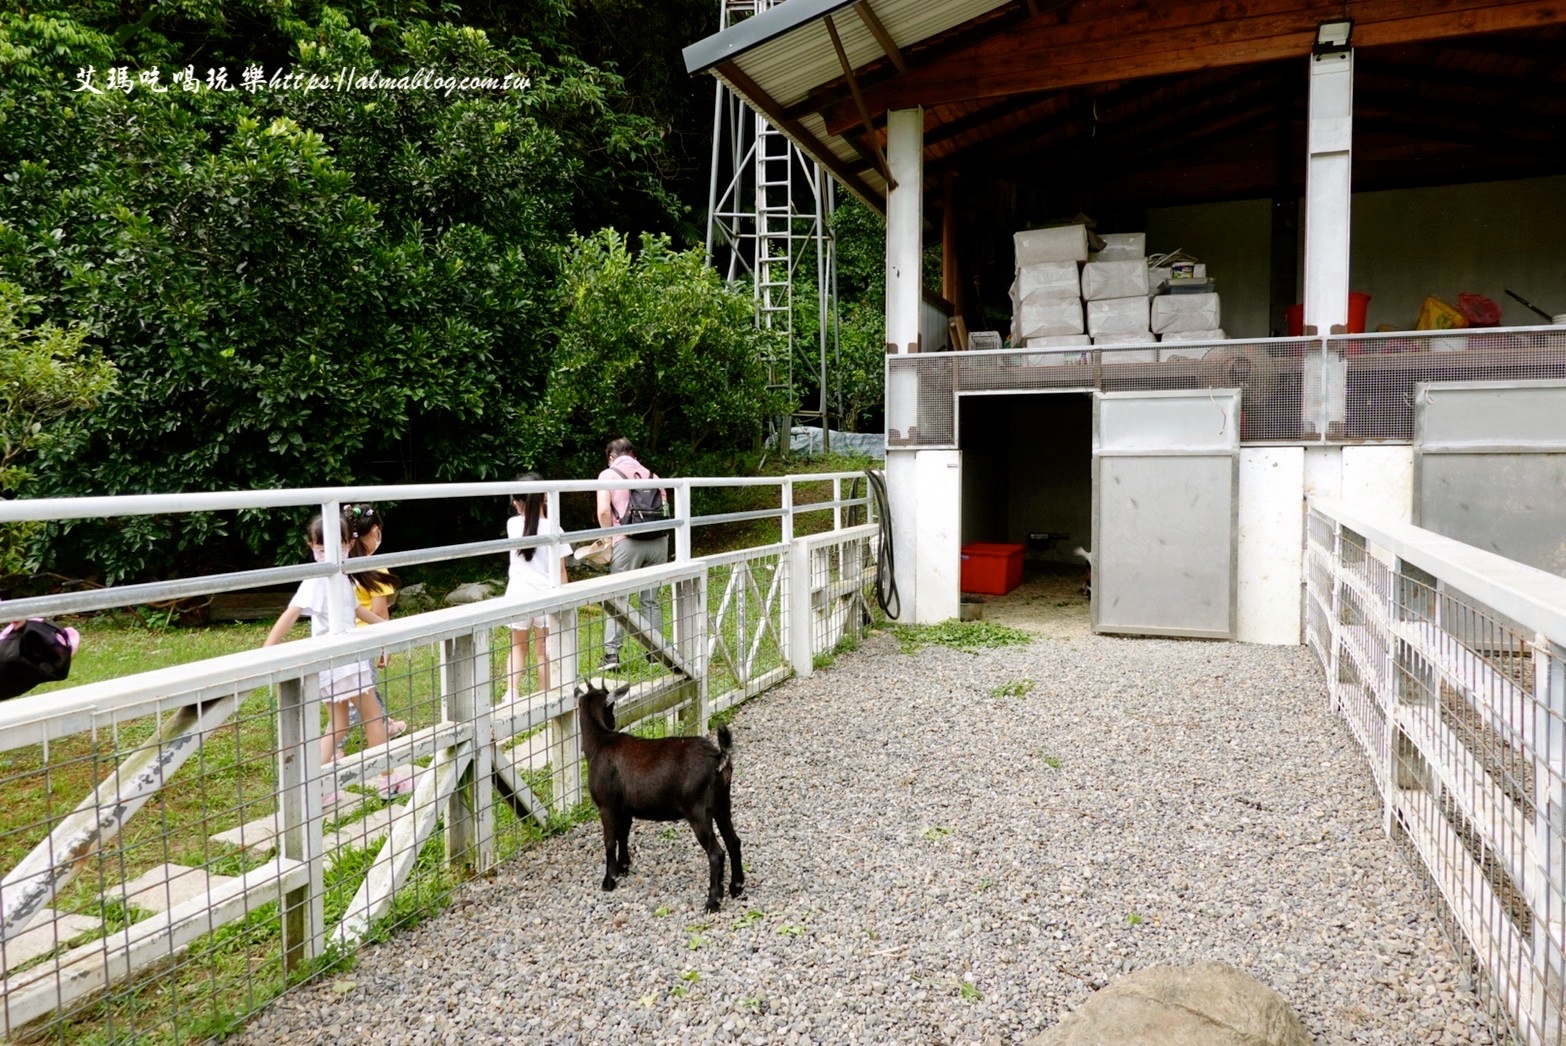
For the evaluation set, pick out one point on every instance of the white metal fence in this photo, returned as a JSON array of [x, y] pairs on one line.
[[1449, 665], [179, 848]]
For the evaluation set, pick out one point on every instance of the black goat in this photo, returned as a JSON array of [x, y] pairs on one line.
[[666, 779]]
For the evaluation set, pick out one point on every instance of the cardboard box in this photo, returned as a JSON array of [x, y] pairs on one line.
[[1114, 279], [989, 569], [1176, 313], [1062, 243], [1059, 341], [1117, 316], [1047, 280], [1122, 246], [1042, 317]]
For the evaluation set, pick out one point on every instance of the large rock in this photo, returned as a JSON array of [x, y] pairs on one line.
[[1206, 1005], [472, 592]]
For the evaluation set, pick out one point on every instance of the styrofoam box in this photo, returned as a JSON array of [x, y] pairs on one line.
[[1041, 317], [1114, 279], [1047, 280], [1184, 351], [1126, 338], [1059, 244], [1157, 276], [1059, 341], [1122, 246], [1173, 313], [1212, 335], [1112, 356], [1117, 316]]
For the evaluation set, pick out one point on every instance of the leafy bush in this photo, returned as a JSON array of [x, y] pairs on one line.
[[655, 347]]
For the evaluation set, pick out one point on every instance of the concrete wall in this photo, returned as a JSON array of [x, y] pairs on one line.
[[1483, 238]]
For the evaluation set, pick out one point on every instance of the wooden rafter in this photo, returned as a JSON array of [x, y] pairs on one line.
[[882, 37], [864, 114], [1049, 51]]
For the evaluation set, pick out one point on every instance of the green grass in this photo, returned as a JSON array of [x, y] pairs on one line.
[[1016, 688], [959, 635]]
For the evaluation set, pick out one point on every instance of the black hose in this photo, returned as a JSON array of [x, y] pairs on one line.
[[885, 568]]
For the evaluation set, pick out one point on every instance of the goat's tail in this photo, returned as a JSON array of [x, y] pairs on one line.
[[1085, 554], [725, 748]]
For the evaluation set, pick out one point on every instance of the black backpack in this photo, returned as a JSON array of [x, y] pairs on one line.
[[645, 506]]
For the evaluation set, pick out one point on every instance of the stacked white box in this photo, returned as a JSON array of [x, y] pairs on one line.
[[1178, 313], [1059, 341], [1040, 317], [1126, 338], [1058, 244], [1102, 280], [1122, 246], [1046, 280], [1112, 316], [1216, 334]]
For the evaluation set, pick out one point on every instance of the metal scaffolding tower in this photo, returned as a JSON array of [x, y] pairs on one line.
[[769, 211]]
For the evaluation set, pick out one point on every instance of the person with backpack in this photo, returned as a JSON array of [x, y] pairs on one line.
[[631, 551]]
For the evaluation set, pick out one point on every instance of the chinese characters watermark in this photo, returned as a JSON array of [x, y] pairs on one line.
[[253, 79]]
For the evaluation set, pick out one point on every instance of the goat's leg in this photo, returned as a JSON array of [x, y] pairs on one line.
[[731, 839], [701, 824], [623, 839], [607, 819]]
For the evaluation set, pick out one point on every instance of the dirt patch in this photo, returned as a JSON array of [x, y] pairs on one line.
[[1049, 602]]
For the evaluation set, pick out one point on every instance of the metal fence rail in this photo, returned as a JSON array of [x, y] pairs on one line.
[[180, 847], [1449, 665]]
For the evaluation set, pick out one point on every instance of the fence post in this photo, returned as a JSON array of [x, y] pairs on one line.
[[299, 810], [682, 511], [787, 497], [565, 744], [1335, 620], [1549, 827], [690, 639], [470, 812], [797, 625]]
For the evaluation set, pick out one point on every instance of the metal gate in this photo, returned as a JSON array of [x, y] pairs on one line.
[[1490, 466], [1165, 477]]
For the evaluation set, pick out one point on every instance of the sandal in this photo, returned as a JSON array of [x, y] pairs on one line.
[[396, 782], [395, 728]]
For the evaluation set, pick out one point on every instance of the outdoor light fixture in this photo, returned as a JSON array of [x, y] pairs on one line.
[[1332, 38]]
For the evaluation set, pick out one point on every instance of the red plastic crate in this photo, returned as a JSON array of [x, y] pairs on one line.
[[990, 569]]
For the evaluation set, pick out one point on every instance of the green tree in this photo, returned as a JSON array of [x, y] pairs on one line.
[[47, 376], [655, 347]]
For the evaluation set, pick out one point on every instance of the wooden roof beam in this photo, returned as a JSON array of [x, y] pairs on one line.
[[864, 114], [1045, 53], [882, 37]]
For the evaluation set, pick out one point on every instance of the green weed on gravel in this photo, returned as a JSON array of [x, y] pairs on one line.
[[959, 635]]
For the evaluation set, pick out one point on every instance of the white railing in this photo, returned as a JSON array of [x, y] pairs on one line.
[[1448, 664], [187, 851]]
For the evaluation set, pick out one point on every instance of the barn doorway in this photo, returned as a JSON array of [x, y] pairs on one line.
[[1027, 479]]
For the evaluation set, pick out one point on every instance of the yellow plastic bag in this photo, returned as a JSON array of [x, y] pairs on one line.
[[1437, 315]]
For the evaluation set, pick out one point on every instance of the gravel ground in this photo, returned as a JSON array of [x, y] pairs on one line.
[[931, 863]]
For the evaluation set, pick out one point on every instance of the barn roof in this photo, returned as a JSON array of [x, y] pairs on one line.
[[1169, 102]]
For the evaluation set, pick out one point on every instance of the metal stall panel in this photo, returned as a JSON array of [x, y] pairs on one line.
[[1490, 466], [1165, 484]]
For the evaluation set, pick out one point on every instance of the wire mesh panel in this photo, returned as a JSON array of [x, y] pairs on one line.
[[1344, 388], [1460, 706]]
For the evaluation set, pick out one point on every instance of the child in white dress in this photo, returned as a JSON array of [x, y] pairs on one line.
[[534, 569]]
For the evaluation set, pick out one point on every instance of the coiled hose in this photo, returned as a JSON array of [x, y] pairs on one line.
[[885, 567]]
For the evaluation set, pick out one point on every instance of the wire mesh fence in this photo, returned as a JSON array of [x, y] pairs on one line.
[[1336, 389], [181, 845], [1449, 666]]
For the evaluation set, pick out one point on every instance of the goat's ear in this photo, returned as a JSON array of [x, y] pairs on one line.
[[626, 689]]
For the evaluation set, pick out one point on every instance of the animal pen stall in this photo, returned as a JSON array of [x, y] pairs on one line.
[[179, 849]]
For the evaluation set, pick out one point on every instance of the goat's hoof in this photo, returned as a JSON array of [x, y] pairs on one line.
[[712, 906], [624, 869], [608, 883], [736, 888]]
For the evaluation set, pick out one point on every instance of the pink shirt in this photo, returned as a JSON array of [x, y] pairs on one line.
[[620, 500]]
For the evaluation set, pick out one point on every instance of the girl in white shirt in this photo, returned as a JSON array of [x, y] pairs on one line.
[[535, 569]]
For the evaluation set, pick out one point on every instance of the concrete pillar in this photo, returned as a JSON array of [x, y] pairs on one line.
[[1327, 224], [904, 247]]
